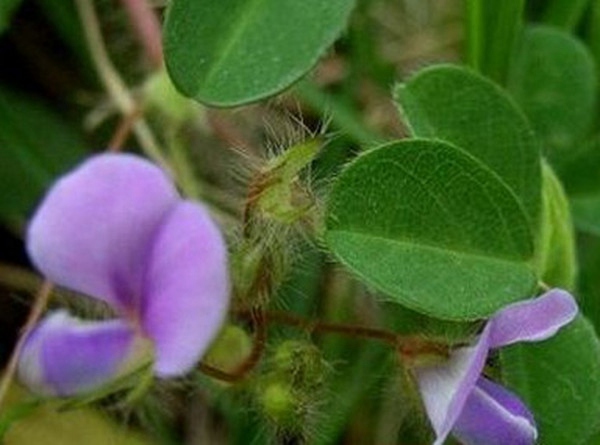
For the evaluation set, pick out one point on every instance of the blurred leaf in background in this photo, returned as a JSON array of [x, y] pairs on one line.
[[36, 145]]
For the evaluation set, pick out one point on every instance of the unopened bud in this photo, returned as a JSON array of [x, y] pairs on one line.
[[278, 193], [230, 349], [280, 404], [300, 362]]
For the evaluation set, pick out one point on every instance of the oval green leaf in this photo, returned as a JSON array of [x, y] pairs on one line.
[[553, 78], [559, 379], [461, 107], [233, 52], [433, 228]]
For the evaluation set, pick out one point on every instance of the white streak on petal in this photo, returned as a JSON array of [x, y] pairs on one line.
[[445, 387]]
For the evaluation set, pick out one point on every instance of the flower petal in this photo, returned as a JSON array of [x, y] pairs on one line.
[[92, 231], [186, 289], [64, 356], [532, 320], [445, 387], [494, 416]]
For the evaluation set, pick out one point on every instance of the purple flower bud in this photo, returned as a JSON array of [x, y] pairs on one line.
[[477, 411], [116, 230]]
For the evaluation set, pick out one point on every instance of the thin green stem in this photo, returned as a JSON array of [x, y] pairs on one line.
[[474, 33], [492, 28], [114, 85], [545, 287]]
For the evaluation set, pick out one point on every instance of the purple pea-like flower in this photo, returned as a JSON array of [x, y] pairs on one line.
[[116, 229], [477, 411]]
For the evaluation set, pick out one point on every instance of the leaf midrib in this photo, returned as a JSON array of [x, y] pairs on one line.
[[238, 25], [425, 245]]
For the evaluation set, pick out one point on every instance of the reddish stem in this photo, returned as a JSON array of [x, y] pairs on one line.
[[119, 137], [147, 28], [407, 346]]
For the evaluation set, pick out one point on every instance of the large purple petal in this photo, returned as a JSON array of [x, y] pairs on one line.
[[93, 229], [65, 356], [186, 289], [494, 416], [446, 386], [532, 320]]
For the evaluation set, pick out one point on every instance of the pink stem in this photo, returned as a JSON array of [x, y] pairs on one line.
[[147, 28]]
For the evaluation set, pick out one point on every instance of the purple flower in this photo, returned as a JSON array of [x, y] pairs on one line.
[[477, 411], [116, 229]]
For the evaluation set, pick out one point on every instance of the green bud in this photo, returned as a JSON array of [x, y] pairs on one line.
[[280, 404], [301, 363], [230, 349], [279, 195]]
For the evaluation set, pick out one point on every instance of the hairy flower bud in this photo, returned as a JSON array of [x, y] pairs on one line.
[[277, 192], [291, 390], [281, 405], [301, 363]]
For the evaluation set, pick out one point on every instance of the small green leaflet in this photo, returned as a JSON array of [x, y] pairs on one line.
[[456, 105], [432, 228]]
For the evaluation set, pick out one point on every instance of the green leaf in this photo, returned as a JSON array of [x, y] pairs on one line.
[[593, 39], [582, 182], [7, 9], [559, 379], [35, 146], [557, 264], [553, 78], [586, 213], [580, 173], [589, 278], [433, 228], [233, 52], [461, 107], [407, 322], [344, 118]]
